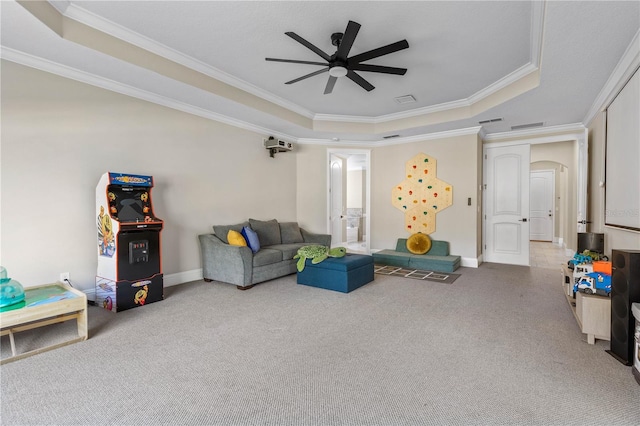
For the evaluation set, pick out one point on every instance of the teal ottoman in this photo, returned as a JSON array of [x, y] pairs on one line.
[[342, 274]]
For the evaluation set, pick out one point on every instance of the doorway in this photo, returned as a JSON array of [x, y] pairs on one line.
[[348, 199], [542, 205], [570, 192]]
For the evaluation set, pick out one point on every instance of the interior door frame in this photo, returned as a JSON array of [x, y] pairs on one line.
[[346, 152], [521, 255], [578, 134]]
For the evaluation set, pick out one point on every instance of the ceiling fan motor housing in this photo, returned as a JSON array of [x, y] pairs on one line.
[[336, 38]]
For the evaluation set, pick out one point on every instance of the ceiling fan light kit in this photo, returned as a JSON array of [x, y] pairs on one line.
[[340, 64]]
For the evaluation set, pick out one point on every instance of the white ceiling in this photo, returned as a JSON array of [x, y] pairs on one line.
[[522, 61]]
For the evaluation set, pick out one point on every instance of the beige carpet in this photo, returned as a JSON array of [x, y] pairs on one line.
[[500, 346]]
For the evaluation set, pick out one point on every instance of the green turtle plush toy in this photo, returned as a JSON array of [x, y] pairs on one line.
[[317, 254]]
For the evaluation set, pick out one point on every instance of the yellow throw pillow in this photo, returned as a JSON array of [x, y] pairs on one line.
[[419, 243], [236, 239]]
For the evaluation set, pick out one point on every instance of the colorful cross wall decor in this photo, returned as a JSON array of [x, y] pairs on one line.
[[421, 195]]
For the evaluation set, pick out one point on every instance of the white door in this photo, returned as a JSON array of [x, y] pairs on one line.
[[507, 204], [541, 190], [336, 215]]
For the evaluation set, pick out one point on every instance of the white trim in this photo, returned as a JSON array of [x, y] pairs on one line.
[[124, 89], [538, 13], [106, 26], [395, 141], [509, 79], [623, 71], [535, 59], [111, 28], [560, 132], [470, 262], [368, 212], [182, 277]]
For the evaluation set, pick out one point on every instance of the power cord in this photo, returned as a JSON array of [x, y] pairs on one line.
[[90, 302]]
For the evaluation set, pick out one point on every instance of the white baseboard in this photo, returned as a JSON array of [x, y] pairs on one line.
[[182, 277], [471, 262], [168, 281]]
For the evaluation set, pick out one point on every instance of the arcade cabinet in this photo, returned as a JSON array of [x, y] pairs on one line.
[[129, 265]]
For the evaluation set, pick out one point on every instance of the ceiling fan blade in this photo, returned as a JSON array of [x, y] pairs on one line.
[[378, 68], [308, 75], [360, 81], [380, 51], [295, 61], [347, 40], [330, 83], [309, 46]]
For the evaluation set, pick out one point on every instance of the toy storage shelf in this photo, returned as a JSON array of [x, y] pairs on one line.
[[592, 312]]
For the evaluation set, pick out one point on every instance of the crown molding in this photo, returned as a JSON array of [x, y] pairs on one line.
[[124, 89], [551, 131], [111, 28], [72, 11], [503, 83], [623, 71], [394, 141]]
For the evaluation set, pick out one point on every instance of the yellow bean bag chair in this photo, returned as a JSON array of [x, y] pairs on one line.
[[419, 243]]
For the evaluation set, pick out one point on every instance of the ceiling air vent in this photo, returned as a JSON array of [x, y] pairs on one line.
[[527, 126], [492, 120], [406, 99]]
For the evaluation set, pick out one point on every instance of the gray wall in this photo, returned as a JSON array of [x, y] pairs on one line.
[[59, 136], [457, 164]]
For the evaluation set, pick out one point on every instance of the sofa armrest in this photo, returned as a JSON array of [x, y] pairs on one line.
[[311, 238], [224, 262]]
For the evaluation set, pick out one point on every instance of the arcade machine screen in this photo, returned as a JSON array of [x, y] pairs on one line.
[[129, 204]]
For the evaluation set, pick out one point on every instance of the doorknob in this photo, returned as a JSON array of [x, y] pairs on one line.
[[524, 219]]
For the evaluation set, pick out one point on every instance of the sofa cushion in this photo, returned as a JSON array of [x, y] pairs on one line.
[[252, 238], [290, 233], [268, 231], [288, 250], [221, 231], [435, 263], [267, 256], [236, 239], [392, 257]]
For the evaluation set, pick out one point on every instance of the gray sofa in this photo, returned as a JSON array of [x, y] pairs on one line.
[[278, 241]]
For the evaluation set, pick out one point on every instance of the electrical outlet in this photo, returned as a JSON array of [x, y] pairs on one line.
[[64, 277]]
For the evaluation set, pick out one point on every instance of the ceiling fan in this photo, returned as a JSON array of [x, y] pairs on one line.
[[340, 64]]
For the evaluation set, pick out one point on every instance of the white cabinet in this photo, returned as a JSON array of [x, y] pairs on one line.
[[592, 312]]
